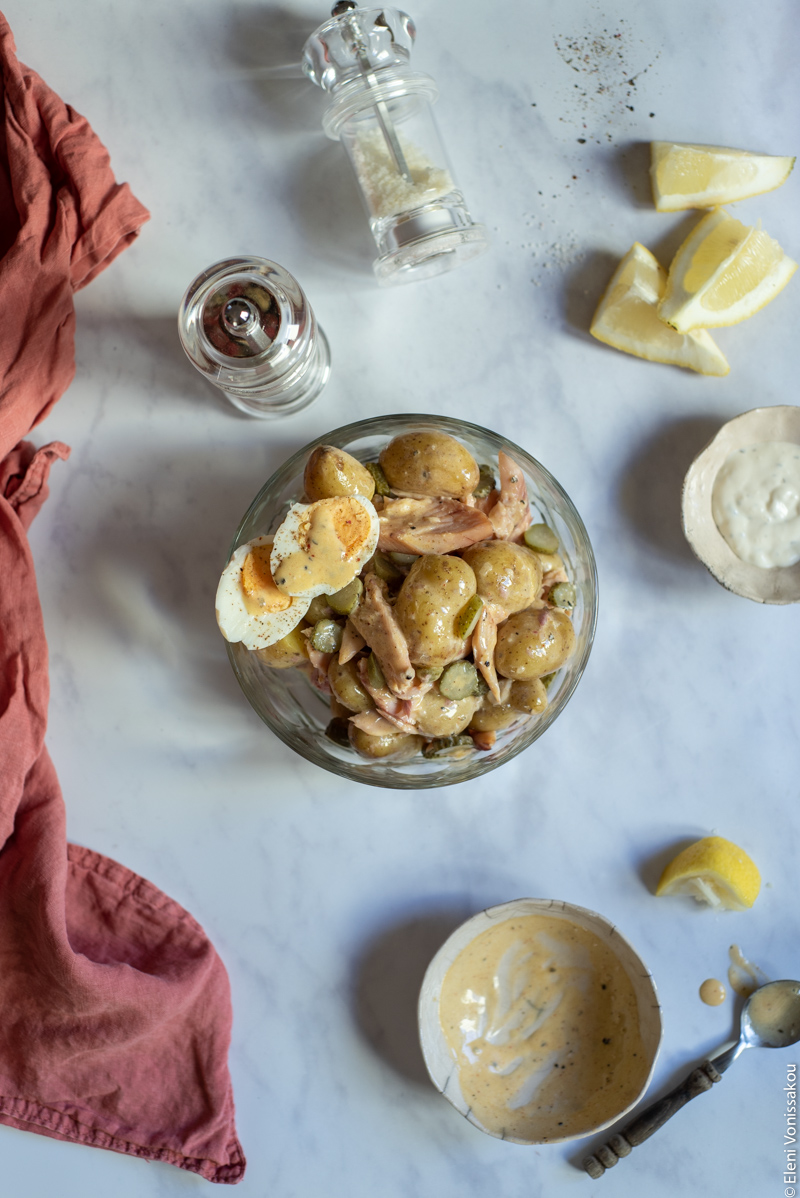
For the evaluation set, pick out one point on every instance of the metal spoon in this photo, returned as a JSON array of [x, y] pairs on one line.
[[770, 1019]]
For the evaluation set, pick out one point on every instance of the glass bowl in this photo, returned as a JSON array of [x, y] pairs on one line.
[[297, 713]]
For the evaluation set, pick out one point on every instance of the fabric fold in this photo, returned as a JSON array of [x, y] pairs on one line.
[[116, 1008]]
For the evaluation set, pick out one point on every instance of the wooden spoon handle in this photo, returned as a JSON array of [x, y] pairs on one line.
[[643, 1126]]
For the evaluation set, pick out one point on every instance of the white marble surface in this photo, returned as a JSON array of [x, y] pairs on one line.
[[326, 900]]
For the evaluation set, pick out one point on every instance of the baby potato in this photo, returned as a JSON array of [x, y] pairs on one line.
[[433, 593], [530, 697], [291, 651], [533, 642], [430, 463], [551, 563], [505, 574], [402, 744], [330, 471], [346, 686], [437, 716], [494, 716]]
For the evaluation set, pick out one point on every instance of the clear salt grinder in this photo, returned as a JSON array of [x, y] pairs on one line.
[[381, 112], [246, 324]]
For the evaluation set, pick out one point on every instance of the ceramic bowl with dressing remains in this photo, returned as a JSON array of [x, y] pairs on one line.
[[773, 426], [539, 1022]]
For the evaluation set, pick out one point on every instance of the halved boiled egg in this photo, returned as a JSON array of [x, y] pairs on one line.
[[250, 608], [322, 546]]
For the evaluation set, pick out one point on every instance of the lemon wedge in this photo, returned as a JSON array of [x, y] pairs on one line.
[[627, 319], [713, 871], [724, 272], [689, 176]]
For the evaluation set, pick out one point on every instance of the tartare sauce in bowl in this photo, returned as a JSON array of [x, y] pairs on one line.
[[741, 505], [756, 503]]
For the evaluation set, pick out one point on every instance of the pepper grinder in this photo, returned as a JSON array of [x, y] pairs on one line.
[[380, 110], [246, 324]]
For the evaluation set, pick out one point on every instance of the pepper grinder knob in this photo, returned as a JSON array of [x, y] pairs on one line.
[[239, 317]]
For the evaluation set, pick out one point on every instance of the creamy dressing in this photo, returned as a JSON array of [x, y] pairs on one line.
[[755, 502], [331, 535], [543, 1021], [774, 1015], [713, 992], [743, 975]]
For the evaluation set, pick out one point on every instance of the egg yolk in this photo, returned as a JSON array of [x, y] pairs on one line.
[[260, 593], [352, 526]]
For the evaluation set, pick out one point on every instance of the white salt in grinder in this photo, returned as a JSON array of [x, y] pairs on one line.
[[380, 110]]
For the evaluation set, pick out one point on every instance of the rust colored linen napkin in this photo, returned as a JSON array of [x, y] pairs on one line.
[[115, 1013]]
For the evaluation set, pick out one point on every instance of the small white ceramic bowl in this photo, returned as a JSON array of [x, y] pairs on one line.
[[776, 585], [441, 1061]]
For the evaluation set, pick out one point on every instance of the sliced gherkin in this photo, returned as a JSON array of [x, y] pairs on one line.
[[563, 594], [459, 680], [385, 568], [430, 673], [347, 599], [486, 482], [327, 636], [467, 618], [449, 746], [318, 609], [381, 483], [541, 538], [375, 673]]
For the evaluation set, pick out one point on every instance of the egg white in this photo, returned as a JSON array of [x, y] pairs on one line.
[[289, 540], [236, 623]]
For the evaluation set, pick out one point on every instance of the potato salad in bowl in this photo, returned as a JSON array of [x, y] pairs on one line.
[[409, 601]]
